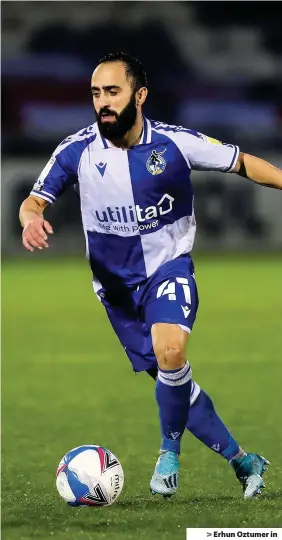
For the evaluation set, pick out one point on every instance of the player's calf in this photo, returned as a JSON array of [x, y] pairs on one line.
[[173, 390], [173, 386]]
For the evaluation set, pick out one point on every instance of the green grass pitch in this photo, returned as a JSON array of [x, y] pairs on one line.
[[66, 381]]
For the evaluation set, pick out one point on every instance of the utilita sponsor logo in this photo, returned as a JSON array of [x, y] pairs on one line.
[[124, 218]]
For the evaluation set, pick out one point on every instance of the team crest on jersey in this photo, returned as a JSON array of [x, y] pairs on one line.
[[156, 164]]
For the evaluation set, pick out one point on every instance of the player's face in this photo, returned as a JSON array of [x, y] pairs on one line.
[[114, 100]]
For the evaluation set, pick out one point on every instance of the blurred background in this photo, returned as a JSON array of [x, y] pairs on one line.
[[215, 67]]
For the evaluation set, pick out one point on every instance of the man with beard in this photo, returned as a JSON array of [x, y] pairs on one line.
[[138, 218]]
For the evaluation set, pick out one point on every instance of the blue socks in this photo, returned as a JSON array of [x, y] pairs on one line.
[[173, 391], [205, 424], [201, 418]]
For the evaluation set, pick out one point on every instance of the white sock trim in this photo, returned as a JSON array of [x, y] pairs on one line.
[[177, 375], [196, 389], [176, 379]]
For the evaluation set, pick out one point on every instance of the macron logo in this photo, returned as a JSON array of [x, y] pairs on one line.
[[186, 311], [175, 435], [216, 447], [101, 168]]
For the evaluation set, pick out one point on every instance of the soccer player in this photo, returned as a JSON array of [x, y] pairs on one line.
[[133, 178]]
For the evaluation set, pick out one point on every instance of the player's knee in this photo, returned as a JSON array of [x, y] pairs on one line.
[[169, 342], [170, 356]]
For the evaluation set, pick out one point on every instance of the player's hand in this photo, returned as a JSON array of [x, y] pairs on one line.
[[35, 233]]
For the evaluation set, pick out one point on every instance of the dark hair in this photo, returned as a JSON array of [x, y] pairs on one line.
[[133, 67]]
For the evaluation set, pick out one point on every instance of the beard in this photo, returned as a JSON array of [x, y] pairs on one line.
[[123, 123]]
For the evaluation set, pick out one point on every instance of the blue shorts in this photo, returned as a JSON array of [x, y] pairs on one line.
[[169, 296]]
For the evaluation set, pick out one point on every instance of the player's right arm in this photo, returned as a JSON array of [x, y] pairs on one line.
[[35, 227], [59, 173]]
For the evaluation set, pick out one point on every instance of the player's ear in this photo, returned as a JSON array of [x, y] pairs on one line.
[[141, 96]]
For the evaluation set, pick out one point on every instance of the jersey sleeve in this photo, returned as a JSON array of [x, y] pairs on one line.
[[58, 174], [206, 153]]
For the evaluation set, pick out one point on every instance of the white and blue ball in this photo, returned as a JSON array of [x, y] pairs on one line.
[[89, 475]]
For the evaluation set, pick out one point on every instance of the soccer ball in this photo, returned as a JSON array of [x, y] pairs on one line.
[[89, 475]]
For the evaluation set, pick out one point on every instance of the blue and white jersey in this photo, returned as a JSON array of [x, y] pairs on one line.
[[137, 204]]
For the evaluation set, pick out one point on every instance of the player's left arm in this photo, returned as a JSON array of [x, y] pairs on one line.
[[208, 154], [258, 170]]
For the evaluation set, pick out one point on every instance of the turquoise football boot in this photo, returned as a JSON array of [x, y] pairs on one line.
[[249, 470], [165, 478]]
